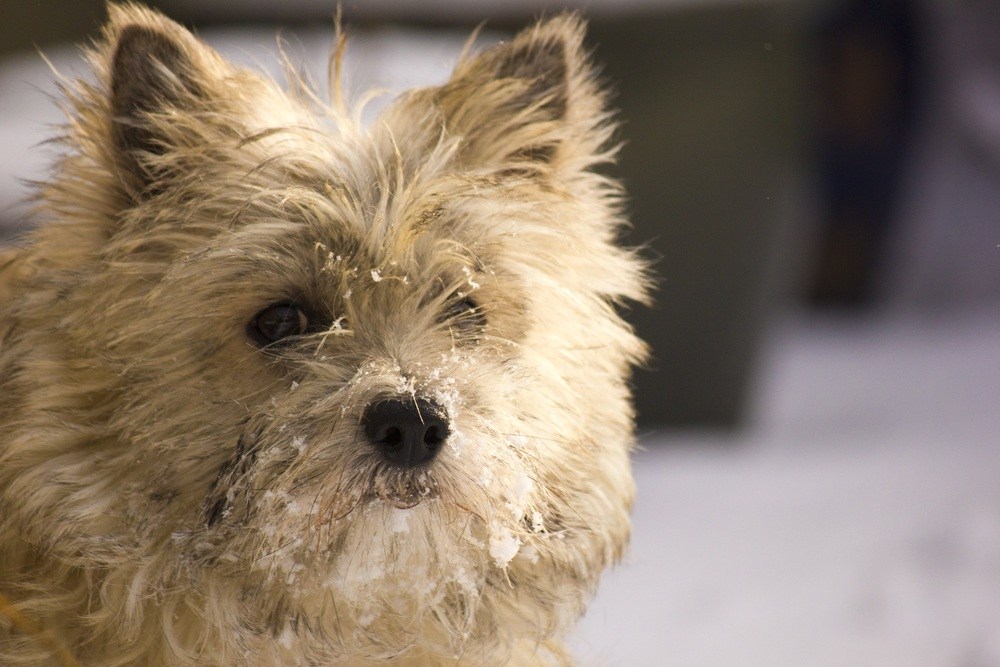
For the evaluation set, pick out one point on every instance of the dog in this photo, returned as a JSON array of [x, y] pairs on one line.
[[279, 388]]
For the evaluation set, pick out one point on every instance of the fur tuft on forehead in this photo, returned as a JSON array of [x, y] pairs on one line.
[[280, 388]]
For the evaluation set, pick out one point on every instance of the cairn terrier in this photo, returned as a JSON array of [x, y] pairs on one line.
[[279, 388]]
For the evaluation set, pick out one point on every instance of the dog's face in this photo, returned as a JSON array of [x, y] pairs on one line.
[[358, 391]]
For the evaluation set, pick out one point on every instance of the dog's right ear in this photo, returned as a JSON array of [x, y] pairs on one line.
[[156, 71]]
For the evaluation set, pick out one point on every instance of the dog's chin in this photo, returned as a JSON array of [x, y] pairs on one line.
[[398, 530], [414, 556], [406, 568]]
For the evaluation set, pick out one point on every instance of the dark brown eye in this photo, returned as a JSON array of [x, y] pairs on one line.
[[276, 323], [465, 315]]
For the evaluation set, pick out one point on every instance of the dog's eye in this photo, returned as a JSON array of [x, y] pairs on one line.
[[277, 322], [465, 315]]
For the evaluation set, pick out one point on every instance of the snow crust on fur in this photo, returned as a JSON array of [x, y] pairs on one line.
[[172, 494]]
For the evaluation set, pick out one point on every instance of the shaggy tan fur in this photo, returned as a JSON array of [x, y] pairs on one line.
[[175, 493]]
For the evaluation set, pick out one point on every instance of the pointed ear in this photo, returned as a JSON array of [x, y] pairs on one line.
[[527, 100], [154, 67]]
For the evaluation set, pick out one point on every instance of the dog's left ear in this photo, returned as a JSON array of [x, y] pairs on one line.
[[158, 75], [530, 101]]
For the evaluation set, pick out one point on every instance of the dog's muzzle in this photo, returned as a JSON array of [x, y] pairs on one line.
[[407, 432]]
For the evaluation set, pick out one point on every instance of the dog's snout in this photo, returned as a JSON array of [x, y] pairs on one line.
[[407, 432]]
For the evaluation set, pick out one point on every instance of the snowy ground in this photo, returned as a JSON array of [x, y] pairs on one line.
[[856, 523]]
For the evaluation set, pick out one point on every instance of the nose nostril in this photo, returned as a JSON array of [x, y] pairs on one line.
[[433, 437], [393, 437]]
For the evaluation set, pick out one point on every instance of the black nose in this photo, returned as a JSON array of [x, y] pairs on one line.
[[406, 432]]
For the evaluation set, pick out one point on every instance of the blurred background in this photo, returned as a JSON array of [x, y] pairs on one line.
[[818, 182]]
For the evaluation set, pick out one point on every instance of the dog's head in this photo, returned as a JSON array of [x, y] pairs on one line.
[[362, 390]]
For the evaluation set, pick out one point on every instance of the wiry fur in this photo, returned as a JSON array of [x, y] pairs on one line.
[[173, 494]]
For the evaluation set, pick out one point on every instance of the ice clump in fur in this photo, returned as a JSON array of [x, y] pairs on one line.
[[503, 547]]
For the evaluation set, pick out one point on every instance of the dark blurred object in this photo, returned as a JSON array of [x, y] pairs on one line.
[[946, 245], [710, 100], [28, 24], [866, 69]]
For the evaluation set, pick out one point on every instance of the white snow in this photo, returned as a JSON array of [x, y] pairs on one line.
[[503, 547], [521, 490], [856, 523], [399, 520], [468, 278], [287, 637], [529, 553], [522, 487]]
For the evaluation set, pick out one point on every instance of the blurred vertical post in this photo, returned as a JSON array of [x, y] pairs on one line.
[[711, 103]]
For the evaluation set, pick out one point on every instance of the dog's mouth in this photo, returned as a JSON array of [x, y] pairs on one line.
[[237, 491], [404, 489]]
